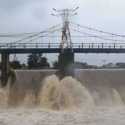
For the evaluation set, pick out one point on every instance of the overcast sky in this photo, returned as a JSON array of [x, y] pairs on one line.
[[34, 15]]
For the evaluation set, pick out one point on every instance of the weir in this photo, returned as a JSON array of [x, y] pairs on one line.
[[42, 88]]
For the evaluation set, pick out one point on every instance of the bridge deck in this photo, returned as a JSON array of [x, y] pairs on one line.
[[21, 48]]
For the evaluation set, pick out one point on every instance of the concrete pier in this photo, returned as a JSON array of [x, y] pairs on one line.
[[4, 68], [66, 60]]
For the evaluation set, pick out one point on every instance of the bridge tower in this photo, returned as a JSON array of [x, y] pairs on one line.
[[66, 56], [65, 14]]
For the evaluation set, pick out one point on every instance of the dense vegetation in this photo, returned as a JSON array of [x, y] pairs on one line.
[[38, 61]]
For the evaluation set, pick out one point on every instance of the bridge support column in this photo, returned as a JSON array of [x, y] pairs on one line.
[[66, 61], [4, 69]]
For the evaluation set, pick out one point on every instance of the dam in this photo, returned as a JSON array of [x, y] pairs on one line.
[[105, 86], [92, 97]]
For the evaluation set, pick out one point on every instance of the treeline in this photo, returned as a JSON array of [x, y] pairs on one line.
[[38, 61], [34, 61]]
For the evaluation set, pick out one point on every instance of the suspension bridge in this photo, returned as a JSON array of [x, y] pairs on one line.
[[65, 37]]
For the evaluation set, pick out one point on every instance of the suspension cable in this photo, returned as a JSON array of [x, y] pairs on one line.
[[51, 29], [100, 31], [5, 35], [99, 37]]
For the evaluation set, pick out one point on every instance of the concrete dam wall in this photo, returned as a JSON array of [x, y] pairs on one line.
[[106, 86]]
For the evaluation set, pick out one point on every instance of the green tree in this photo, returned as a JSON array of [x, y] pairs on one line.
[[36, 61], [56, 65], [15, 64]]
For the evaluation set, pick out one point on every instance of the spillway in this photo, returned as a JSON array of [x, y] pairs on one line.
[[107, 87], [38, 97]]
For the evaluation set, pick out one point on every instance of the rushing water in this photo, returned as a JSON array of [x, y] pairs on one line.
[[65, 94], [94, 97], [89, 88], [54, 94]]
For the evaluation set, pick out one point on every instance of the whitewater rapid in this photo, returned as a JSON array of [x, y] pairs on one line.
[[27, 116]]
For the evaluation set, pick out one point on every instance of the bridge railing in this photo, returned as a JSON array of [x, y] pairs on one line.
[[57, 45], [99, 45]]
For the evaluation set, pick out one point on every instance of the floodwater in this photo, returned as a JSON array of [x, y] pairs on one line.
[[94, 97]]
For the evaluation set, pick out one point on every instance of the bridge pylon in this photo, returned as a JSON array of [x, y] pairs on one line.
[[66, 56], [4, 69], [65, 14]]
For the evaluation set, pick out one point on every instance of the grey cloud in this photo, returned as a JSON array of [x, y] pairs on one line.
[[34, 15], [8, 5]]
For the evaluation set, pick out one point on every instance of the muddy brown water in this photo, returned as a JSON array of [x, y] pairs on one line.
[[41, 87], [94, 97]]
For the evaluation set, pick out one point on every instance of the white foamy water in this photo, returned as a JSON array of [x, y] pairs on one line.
[[99, 116]]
